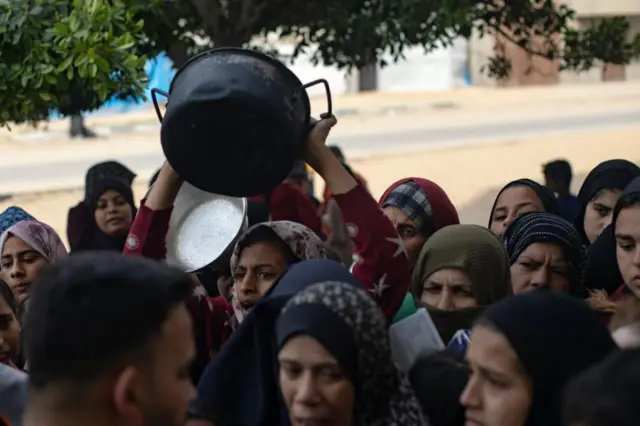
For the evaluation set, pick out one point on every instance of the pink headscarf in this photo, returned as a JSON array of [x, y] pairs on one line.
[[39, 236]]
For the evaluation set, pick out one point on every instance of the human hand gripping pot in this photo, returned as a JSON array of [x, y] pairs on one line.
[[322, 160]]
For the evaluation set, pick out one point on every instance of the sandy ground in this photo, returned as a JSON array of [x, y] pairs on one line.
[[471, 175]]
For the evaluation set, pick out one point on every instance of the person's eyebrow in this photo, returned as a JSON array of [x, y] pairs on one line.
[[525, 204]]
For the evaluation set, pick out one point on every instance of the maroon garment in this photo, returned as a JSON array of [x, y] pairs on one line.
[[288, 202]]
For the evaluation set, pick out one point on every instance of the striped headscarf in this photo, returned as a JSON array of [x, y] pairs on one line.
[[541, 227]]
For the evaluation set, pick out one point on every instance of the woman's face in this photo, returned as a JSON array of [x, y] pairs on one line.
[[313, 385], [599, 212], [448, 289], [9, 333], [512, 203], [20, 265], [499, 392], [259, 267], [408, 231], [627, 234], [541, 265], [113, 214]]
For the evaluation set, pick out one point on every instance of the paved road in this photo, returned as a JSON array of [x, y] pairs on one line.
[[39, 175]]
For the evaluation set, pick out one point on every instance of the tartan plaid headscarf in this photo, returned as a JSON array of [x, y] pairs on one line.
[[413, 201]]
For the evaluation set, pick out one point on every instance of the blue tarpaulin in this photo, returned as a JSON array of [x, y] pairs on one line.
[[160, 72]]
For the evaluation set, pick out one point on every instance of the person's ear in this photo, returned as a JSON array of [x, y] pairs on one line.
[[127, 396]]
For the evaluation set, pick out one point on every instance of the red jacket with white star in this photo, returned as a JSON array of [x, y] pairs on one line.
[[381, 265]]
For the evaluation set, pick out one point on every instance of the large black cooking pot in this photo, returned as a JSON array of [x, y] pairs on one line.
[[236, 121]]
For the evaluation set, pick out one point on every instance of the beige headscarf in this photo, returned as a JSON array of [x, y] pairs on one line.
[[477, 252]]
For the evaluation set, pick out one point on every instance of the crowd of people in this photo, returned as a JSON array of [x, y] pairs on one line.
[[539, 310]]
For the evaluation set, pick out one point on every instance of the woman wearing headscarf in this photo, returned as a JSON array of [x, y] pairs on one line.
[[81, 217], [517, 198], [461, 270], [334, 361], [626, 229], [523, 351], [25, 249], [262, 254], [545, 251], [11, 216], [612, 263], [254, 264], [242, 374], [113, 208], [599, 194], [417, 208]]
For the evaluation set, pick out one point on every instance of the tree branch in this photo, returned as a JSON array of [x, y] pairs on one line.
[[210, 12]]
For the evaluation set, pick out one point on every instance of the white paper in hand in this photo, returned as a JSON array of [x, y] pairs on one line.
[[414, 337]]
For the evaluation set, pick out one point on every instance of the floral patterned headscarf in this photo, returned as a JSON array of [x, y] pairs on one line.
[[302, 241], [39, 236]]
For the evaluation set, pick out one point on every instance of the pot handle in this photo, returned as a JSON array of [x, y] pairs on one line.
[[154, 98], [327, 89]]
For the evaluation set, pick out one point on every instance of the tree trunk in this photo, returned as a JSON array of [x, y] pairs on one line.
[[177, 52], [368, 78]]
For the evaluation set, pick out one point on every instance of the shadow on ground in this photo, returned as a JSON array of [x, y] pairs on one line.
[[477, 212]]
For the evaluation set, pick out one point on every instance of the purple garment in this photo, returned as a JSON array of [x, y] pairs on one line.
[[460, 341]]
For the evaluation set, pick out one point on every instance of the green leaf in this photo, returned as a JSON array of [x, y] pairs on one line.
[[37, 10], [46, 96], [61, 28], [102, 64], [93, 70], [126, 46], [65, 64]]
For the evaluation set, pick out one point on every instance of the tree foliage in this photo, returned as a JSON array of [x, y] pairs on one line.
[[66, 56], [355, 33], [72, 55]]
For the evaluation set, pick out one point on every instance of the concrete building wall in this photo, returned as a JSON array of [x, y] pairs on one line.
[[545, 72]]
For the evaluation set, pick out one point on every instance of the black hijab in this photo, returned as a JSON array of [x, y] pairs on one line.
[[108, 170], [548, 199], [94, 238], [556, 337], [240, 387], [602, 271], [611, 174], [631, 190]]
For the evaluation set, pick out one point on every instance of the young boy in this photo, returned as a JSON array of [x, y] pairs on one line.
[[558, 176]]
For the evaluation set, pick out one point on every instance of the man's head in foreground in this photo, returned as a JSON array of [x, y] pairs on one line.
[[109, 341]]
